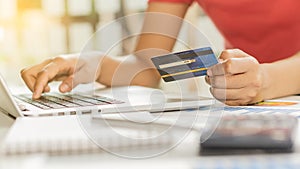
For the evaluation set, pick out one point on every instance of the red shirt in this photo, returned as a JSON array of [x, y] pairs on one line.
[[266, 29]]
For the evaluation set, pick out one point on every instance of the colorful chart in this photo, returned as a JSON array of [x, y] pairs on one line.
[[275, 103]]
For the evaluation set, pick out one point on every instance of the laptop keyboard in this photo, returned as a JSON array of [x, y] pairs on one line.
[[57, 101]]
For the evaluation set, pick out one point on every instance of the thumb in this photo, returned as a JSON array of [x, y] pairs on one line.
[[232, 53], [47, 89], [67, 85]]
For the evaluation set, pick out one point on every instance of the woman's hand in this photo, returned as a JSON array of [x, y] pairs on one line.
[[238, 79], [72, 69]]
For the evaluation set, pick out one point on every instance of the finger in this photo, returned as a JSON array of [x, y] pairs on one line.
[[58, 67], [29, 80], [67, 85], [235, 103], [219, 94], [228, 94], [223, 99], [232, 53], [40, 85], [244, 95], [47, 89], [216, 70], [207, 80], [43, 77], [233, 66], [29, 74], [236, 81]]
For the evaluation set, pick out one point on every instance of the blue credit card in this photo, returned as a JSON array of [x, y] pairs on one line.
[[186, 64]]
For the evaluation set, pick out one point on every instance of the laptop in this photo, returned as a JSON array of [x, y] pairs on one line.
[[107, 100]]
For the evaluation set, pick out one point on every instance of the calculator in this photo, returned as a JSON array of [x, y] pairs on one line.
[[252, 132]]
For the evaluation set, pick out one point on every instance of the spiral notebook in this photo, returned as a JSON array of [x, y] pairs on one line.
[[65, 135]]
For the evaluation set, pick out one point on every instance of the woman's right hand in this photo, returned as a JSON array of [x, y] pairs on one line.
[[72, 69]]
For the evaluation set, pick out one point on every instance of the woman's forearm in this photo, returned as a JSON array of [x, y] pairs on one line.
[[160, 29], [128, 71], [282, 78]]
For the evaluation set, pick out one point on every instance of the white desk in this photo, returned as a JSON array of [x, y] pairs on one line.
[[5, 124], [183, 156]]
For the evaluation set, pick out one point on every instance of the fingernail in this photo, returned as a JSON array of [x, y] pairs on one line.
[[211, 90], [209, 73], [35, 95], [64, 87]]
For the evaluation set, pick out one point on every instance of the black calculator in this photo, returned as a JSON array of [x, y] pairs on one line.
[[253, 132]]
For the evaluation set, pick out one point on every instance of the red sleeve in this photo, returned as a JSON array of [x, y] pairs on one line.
[[189, 2]]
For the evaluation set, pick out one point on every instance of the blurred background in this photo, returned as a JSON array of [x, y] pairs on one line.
[[33, 30]]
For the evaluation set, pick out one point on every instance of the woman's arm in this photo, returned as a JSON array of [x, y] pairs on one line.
[[160, 29], [282, 77]]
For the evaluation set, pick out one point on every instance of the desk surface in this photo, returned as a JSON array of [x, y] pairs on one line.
[[183, 156], [5, 124]]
